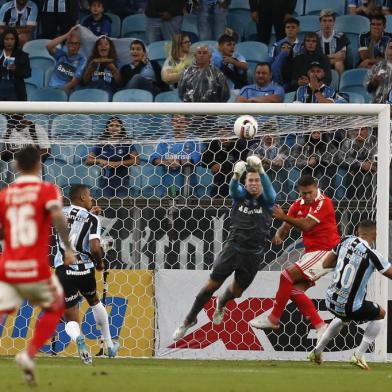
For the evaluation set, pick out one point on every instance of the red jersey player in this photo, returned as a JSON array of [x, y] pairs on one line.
[[314, 215], [27, 209]]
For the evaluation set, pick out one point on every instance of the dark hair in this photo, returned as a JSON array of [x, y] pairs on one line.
[[90, 2], [225, 38], [311, 34], [10, 30], [367, 224], [27, 158], [291, 20], [306, 180], [264, 64], [106, 134], [139, 42], [112, 49], [251, 169], [76, 190], [379, 16]]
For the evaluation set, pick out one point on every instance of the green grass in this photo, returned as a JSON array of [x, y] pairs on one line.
[[152, 375]]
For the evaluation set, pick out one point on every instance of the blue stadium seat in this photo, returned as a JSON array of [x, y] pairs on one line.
[[388, 26], [37, 77], [135, 181], [49, 94], [36, 47], [238, 22], [335, 80], [30, 88], [352, 77], [239, 5], [355, 24], [62, 154], [72, 126], [354, 97], [89, 95], [233, 97], [204, 181], [251, 32], [158, 51], [189, 26], [253, 51], [133, 95], [151, 180], [313, 7], [299, 8], [134, 26], [309, 23], [42, 62], [289, 97], [146, 150], [168, 96]]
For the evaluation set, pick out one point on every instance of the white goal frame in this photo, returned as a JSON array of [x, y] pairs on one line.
[[379, 290]]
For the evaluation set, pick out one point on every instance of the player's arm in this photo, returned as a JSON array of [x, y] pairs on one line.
[[236, 189], [281, 234], [96, 253], [388, 273], [303, 224]]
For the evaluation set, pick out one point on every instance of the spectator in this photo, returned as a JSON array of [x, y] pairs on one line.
[[363, 7], [387, 8], [97, 21], [142, 73], [212, 18], [357, 156], [57, 17], [301, 63], [291, 28], [220, 156], [202, 82], [115, 156], [273, 155], [124, 8], [177, 158], [164, 19], [372, 44], [180, 58], [333, 44], [316, 91], [102, 69], [18, 134], [378, 80], [14, 67], [70, 63], [20, 14], [271, 13], [264, 90], [232, 64], [314, 156]]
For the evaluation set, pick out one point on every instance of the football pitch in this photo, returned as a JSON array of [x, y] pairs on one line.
[[154, 375]]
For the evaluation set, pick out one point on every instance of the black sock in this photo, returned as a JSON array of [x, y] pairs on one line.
[[226, 297], [201, 299]]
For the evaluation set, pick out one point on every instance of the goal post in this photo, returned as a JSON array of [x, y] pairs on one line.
[[174, 250]]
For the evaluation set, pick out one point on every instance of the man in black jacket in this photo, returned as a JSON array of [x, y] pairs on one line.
[[268, 13], [164, 19]]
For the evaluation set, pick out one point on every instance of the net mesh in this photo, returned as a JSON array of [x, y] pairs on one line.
[[162, 182]]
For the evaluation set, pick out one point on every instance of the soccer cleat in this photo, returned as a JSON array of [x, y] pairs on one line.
[[112, 351], [180, 332], [320, 332], [359, 361], [265, 323], [84, 354], [315, 357], [28, 367], [219, 313]]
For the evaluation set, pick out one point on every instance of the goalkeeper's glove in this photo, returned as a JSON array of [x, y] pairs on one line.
[[255, 162], [239, 169]]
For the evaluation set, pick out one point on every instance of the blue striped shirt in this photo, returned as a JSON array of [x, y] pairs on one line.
[[12, 17], [253, 90]]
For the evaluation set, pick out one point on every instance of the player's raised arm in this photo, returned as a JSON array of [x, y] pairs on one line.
[[236, 189]]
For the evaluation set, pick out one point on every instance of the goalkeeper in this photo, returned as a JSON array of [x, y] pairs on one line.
[[251, 218]]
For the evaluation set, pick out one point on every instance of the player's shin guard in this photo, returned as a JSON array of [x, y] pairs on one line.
[[372, 330], [282, 296], [44, 329], [102, 320], [201, 299], [334, 327], [307, 308]]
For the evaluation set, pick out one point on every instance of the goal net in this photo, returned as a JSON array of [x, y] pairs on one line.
[[160, 173]]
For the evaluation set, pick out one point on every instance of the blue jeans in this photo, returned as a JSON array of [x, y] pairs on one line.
[[158, 29], [211, 21]]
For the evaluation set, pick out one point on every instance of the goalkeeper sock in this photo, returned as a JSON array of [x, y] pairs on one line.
[[44, 329], [307, 308], [102, 320], [201, 299], [282, 296], [73, 330], [226, 297], [334, 327], [372, 330]]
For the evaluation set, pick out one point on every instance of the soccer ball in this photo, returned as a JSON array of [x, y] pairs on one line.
[[245, 127]]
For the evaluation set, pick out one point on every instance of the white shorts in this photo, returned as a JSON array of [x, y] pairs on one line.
[[311, 265], [43, 293]]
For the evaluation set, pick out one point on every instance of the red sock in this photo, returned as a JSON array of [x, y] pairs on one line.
[[307, 308], [44, 329], [282, 296]]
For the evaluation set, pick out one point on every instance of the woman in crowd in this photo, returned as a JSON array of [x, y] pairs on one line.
[[115, 156], [141, 72], [14, 68], [102, 71]]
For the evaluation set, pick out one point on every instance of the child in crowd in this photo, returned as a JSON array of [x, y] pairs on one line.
[[97, 21]]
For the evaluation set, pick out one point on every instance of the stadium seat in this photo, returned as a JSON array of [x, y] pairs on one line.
[[388, 26], [135, 181], [158, 51], [151, 181], [72, 126], [30, 88], [335, 80], [37, 77], [313, 7], [251, 32], [146, 150], [89, 95], [168, 96], [253, 51], [289, 97], [49, 94], [355, 24], [36, 47], [189, 26], [309, 23], [352, 77], [204, 181], [42, 62], [133, 95], [238, 22], [239, 5], [299, 8], [233, 96], [354, 97], [134, 26]]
